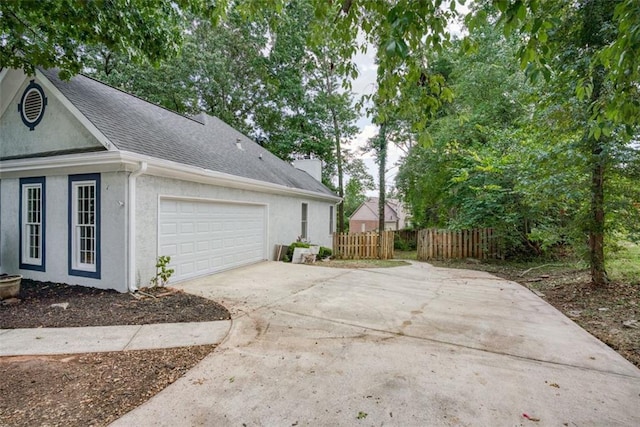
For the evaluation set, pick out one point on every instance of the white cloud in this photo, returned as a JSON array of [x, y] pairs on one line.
[[360, 140]]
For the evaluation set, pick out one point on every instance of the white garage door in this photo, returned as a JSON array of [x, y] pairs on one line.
[[206, 237]]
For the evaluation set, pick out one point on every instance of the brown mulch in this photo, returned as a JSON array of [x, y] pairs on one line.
[[97, 307], [93, 389]]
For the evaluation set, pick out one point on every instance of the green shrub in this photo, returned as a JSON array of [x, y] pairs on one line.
[[324, 252], [400, 244]]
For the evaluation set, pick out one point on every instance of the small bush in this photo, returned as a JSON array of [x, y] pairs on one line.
[[324, 252], [401, 244]]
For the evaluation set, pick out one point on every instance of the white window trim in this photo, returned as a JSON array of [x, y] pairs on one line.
[[75, 245], [26, 238]]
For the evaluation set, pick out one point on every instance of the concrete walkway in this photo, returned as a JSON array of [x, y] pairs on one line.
[[40, 341], [408, 346]]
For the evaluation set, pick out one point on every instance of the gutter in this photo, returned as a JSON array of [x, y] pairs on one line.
[[131, 217], [113, 160]]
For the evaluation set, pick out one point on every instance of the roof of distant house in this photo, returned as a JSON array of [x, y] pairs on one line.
[[368, 210]]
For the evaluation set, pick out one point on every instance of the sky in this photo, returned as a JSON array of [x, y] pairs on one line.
[[365, 84]]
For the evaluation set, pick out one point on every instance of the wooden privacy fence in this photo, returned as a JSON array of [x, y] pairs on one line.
[[363, 245], [480, 243]]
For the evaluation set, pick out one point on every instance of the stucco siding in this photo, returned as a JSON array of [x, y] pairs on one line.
[[283, 216], [58, 131], [56, 239]]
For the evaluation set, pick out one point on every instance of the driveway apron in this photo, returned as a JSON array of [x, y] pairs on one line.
[[407, 346]]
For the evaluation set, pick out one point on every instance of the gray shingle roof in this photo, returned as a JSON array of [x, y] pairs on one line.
[[138, 126]]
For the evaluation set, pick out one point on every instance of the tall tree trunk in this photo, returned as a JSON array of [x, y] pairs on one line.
[[338, 146], [597, 219], [336, 130], [382, 166], [596, 232]]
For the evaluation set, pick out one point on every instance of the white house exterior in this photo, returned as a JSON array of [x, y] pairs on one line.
[[96, 184]]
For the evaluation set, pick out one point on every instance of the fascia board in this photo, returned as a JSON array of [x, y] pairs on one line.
[[84, 121], [60, 165]]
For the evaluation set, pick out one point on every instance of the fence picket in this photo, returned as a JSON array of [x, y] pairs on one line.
[[457, 244], [370, 245]]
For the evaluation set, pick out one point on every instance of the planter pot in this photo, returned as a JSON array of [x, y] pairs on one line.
[[9, 285]]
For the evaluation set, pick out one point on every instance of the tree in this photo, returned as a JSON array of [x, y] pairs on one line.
[[490, 162], [271, 83], [58, 33], [584, 45], [220, 70]]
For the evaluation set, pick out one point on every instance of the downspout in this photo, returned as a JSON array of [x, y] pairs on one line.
[[132, 225]]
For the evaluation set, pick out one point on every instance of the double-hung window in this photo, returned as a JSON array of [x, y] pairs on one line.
[[84, 225], [32, 223]]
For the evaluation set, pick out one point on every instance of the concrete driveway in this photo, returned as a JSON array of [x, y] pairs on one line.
[[407, 346]]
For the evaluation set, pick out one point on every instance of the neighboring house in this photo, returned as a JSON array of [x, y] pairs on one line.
[[96, 184], [366, 218]]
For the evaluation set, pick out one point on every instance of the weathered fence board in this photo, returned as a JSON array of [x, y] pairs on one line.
[[457, 244], [363, 245]]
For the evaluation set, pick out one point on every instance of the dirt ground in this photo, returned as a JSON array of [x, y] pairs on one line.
[[611, 313], [93, 389]]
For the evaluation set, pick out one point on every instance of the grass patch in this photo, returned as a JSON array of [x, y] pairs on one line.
[[624, 264], [412, 255], [513, 269]]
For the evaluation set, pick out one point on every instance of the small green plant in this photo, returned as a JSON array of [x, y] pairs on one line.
[[361, 415], [324, 252], [163, 273]]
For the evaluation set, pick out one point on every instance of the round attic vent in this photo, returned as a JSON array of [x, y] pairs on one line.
[[32, 105]]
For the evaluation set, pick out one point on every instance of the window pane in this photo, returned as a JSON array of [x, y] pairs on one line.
[[85, 227], [31, 223]]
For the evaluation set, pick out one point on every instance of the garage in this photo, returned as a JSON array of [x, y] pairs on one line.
[[204, 237]]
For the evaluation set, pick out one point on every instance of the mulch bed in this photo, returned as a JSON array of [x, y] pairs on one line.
[[93, 388], [82, 306]]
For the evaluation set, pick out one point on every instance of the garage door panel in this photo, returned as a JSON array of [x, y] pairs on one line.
[[206, 237], [203, 246], [169, 250], [169, 206]]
